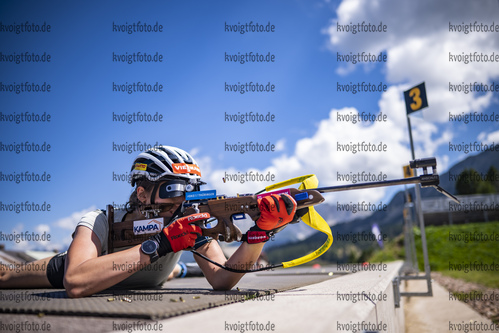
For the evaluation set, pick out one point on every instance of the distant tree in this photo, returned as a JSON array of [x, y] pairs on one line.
[[468, 182], [493, 178], [485, 187]]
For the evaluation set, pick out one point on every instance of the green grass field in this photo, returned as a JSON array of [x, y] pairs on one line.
[[467, 251]]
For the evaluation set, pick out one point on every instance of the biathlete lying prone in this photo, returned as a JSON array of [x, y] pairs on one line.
[[162, 175]]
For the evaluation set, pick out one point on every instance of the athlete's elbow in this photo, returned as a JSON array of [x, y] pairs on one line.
[[73, 289], [73, 292]]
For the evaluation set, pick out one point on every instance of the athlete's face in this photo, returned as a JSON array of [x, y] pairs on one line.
[[168, 210]]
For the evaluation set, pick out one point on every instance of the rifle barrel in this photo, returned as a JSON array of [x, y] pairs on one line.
[[338, 188], [411, 180]]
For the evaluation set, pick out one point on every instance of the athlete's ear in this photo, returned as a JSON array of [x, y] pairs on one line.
[[141, 194]]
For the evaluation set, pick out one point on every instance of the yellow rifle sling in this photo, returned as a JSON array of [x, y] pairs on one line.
[[312, 218]]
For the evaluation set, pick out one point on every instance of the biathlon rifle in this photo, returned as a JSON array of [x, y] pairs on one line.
[[228, 210]]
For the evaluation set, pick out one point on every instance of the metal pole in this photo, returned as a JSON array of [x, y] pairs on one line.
[[421, 219], [410, 138]]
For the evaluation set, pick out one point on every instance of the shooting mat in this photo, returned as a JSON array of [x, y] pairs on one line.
[[176, 297]]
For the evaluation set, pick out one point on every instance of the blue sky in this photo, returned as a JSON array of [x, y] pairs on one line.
[[306, 101]]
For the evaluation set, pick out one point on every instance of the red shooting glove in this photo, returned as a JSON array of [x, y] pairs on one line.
[[180, 235], [276, 211]]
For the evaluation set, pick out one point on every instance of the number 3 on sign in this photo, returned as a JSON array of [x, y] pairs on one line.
[[415, 98], [415, 93]]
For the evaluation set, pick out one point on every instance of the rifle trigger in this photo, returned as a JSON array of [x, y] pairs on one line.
[[195, 206]]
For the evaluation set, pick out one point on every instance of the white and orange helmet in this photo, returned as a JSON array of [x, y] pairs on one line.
[[162, 163]]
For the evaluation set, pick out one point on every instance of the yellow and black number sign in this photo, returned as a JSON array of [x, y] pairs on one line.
[[408, 172], [415, 98]]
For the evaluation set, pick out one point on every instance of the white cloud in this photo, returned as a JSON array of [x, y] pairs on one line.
[[280, 145], [489, 138], [69, 222], [41, 228], [59, 237], [39, 238]]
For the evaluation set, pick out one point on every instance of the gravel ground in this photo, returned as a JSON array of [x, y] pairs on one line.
[[482, 299]]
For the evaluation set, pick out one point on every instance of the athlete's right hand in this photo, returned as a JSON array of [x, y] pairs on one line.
[[275, 211], [180, 234]]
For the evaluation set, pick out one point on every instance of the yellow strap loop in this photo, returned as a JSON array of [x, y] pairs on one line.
[[312, 218]]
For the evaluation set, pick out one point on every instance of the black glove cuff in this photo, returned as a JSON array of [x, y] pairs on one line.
[[200, 241], [256, 235], [164, 244]]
